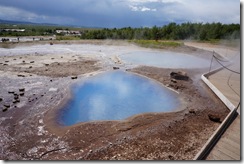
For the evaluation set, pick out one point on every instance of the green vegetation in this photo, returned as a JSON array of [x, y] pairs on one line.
[[172, 31], [156, 44], [59, 37]]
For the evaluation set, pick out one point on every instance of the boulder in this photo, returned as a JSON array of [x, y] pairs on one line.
[[179, 75]]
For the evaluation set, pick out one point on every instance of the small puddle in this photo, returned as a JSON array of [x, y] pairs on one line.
[[165, 59], [116, 95]]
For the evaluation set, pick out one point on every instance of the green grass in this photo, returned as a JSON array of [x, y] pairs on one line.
[[67, 37], [156, 44]]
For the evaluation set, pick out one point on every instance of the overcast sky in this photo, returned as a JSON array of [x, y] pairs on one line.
[[121, 13]]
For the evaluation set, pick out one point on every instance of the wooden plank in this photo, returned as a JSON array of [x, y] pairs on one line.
[[231, 138], [221, 156], [233, 148], [228, 152], [229, 146], [230, 142], [234, 129]]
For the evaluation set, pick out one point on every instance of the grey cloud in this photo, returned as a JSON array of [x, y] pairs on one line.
[[111, 13]]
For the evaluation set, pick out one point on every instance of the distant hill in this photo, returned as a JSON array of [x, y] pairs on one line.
[[23, 23]]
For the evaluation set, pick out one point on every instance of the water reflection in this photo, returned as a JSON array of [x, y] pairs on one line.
[[115, 96]]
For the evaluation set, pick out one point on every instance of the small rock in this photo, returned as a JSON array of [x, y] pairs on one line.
[[21, 75], [11, 92], [32, 62], [214, 118], [16, 97], [22, 94], [22, 89], [46, 64], [6, 61], [192, 111], [115, 68], [1, 99], [7, 105], [23, 61], [74, 77], [5, 109], [171, 157], [173, 80], [30, 66], [179, 75], [16, 101]]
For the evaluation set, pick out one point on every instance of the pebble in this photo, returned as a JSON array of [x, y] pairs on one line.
[[22, 89], [5, 109], [7, 105], [74, 77]]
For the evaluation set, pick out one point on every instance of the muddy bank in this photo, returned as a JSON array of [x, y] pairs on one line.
[[28, 130]]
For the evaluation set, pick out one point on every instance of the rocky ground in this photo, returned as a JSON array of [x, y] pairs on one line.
[[34, 86]]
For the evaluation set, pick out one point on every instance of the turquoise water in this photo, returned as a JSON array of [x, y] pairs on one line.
[[116, 95], [165, 59]]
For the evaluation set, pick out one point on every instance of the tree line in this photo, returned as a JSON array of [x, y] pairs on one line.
[[172, 31]]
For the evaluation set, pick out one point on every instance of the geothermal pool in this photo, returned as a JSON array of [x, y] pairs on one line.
[[116, 95], [164, 59]]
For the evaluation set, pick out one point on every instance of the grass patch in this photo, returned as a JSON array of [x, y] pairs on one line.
[[67, 37], [156, 44]]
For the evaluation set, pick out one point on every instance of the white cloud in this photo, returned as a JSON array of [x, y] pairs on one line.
[[141, 8]]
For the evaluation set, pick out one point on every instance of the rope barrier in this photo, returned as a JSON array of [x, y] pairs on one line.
[[225, 66], [228, 83]]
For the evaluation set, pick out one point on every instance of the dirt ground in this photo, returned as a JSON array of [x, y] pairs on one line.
[[29, 129]]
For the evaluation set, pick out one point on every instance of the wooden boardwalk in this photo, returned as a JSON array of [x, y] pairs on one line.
[[227, 81], [228, 147]]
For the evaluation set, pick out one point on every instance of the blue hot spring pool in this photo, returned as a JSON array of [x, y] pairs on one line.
[[116, 95], [165, 59]]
